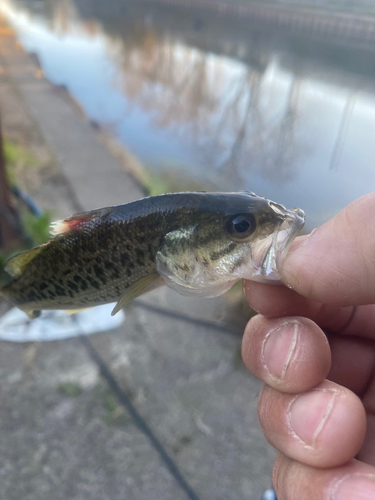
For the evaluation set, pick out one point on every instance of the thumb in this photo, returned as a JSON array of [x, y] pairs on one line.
[[336, 263]]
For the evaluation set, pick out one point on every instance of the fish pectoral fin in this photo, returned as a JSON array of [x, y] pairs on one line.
[[17, 264], [144, 285]]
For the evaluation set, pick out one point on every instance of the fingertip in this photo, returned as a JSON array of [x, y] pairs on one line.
[[294, 480], [277, 300], [324, 427], [334, 264], [290, 354]]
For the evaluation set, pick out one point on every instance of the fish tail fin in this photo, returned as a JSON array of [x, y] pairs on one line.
[[16, 265]]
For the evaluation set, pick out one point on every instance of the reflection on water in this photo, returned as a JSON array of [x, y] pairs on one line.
[[227, 103]]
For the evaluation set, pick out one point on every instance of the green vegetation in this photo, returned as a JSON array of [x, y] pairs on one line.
[[18, 159], [115, 414], [70, 389], [37, 226], [171, 181]]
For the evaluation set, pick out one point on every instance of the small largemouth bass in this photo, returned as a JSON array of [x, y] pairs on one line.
[[196, 243]]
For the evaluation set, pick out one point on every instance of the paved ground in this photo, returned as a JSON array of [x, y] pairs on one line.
[[65, 430]]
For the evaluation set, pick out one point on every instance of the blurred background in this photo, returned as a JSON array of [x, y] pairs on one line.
[[105, 102]]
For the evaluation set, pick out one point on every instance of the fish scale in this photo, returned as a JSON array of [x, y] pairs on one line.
[[185, 240]]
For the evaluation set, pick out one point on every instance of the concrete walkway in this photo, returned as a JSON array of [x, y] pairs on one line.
[[161, 409]]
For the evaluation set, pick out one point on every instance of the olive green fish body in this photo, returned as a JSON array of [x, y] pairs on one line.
[[100, 256], [89, 266]]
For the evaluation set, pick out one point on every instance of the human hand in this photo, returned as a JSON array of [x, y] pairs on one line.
[[313, 344]]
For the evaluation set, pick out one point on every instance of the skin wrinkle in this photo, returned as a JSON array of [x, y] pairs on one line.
[[330, 406], [362, 267], [367, 257], [366, 453], [277, 477], [344, 277], [291, 279], [300, 242], [345, 330], [263, 409], [293, 480], [290, 351], [284, 477], [356, 321], [345, 281], [292, 283], [368, 263], [369, 405], [334, 486], [349, 322], [249, 346]]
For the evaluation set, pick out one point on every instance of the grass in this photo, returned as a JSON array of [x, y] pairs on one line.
[[70, 389], [171, 181], [18, 159], [37, 226], [114, 413]]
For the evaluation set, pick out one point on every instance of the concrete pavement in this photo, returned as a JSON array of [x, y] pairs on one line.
[[64, 432]]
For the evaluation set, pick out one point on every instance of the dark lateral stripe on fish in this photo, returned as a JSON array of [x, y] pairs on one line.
[[214, 256], [238, 263]]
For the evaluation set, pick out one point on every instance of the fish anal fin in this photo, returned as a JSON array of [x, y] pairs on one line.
[[16, 266], [78, 221], [31, 314], [144, 285]]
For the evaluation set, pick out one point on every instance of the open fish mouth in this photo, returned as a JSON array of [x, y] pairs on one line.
[[292, 221]]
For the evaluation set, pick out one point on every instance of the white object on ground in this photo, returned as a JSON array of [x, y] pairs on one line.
[[15, 326], [269, 495]]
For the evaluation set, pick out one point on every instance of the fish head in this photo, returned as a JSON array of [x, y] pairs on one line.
[[237, 235]]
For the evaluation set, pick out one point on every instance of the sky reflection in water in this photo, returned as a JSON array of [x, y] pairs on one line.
[[238, 113]]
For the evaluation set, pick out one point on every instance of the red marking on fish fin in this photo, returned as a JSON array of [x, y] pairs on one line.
[[78, 221]]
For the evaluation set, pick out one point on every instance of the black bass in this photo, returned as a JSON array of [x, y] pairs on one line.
[[196, 243]]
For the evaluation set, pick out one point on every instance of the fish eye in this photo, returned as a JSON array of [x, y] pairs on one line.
[[241, 226]]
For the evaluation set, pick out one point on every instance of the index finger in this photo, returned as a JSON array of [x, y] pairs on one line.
[[275, 301], [336, 264]]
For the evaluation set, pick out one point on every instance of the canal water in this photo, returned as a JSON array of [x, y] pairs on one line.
[[207, 102]]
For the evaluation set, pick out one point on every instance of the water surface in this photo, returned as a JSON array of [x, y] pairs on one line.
[[214, 102]]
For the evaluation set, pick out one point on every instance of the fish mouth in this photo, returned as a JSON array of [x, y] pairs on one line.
[[291, 223]]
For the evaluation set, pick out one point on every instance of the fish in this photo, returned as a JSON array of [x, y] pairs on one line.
[[197, 243]]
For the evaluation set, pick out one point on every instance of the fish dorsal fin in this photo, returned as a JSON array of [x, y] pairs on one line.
[[16, 266], [78, 221], [144, 285]]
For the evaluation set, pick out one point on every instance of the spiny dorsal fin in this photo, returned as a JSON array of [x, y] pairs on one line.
[[16, 266], [78, 221]]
